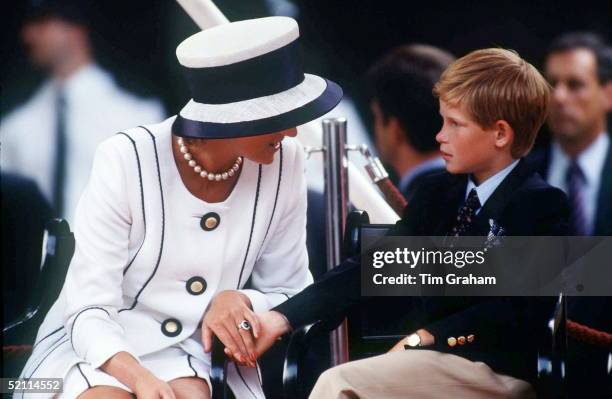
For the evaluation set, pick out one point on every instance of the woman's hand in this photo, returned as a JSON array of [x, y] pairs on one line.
[[140, 380], [227, 310], [148, 386]]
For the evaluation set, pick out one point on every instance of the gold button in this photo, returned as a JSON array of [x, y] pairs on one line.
[[452, 341], [461, 340], [470, 338], [197, 287], [210, 223], [171, 327]]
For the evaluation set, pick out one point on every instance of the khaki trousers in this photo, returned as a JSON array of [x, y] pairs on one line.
[[417, 374]]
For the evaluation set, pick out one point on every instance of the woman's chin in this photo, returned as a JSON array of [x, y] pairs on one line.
[[262, 159]]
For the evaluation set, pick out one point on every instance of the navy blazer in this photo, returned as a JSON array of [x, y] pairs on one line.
[[524, 205]]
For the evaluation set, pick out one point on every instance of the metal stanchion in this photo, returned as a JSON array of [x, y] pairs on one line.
[[336, 201]]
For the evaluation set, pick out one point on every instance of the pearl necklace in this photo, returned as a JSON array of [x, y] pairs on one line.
[[203, 173]]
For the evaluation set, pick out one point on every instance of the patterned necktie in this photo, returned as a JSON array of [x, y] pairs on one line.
[[466, 214], [59, 172], [574, 179]]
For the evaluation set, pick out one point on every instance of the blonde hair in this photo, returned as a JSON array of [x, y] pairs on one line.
[[496, 84]]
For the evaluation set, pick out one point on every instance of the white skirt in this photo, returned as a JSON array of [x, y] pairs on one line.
[[184, 359], [167, 364]]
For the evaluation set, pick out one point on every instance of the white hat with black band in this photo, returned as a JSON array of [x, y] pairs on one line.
[[246, 79]]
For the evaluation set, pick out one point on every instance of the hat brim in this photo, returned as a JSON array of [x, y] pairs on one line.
[[314, 97]]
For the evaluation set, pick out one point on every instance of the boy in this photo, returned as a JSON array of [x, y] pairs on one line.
[[492, 103]]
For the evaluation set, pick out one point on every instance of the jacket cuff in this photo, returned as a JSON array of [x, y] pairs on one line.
[[96, 340], [288, 311], [259, 300], [441, 331], [106, 348]]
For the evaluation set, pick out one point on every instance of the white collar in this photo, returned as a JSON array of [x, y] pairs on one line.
[[86, 80], [488, 187], [591, 160]]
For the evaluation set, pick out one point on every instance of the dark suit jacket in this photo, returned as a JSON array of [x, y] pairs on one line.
[[523, 204], [540, 162], [417, 180]]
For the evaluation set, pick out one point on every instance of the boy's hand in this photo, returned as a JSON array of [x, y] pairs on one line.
[[272, 325]]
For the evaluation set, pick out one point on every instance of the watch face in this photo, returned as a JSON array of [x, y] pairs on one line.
[[414, 340]]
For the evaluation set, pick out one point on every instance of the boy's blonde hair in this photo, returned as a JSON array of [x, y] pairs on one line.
[[496, 84]]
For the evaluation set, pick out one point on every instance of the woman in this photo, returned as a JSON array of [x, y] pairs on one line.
[[178, 216]]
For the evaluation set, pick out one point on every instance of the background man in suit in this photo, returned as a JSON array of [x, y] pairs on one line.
[[51, 138], [579, 160], [406, 117], [483, 138]]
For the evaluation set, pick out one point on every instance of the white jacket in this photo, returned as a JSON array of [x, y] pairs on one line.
[[140, 246]]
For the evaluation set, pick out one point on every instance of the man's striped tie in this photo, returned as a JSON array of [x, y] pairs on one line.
[[574, 178]]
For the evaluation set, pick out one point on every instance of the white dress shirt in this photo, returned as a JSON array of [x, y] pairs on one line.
[[488, 187], [96, 108], [591, 161]]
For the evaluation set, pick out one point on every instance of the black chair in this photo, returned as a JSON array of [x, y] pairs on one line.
[[19, 334], [371, 334], [374, 326], [218, 371], [552, 352]]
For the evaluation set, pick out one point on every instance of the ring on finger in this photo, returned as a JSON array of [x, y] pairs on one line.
[[244, 325]]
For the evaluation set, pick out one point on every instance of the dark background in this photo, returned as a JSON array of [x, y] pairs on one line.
[[136, 39]]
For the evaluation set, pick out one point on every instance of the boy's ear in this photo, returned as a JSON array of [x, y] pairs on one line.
[[504, 134], [608, 94]]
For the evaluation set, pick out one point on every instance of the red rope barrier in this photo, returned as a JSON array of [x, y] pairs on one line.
[[394, 198], [16, 350], [589, 335]]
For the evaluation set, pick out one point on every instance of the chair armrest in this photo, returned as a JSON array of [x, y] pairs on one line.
[[18, 330], [19, 334], [218, 370], [58, 253], [299, 343], [551, 381]]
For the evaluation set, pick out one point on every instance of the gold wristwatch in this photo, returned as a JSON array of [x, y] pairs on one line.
[[412, 341]]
